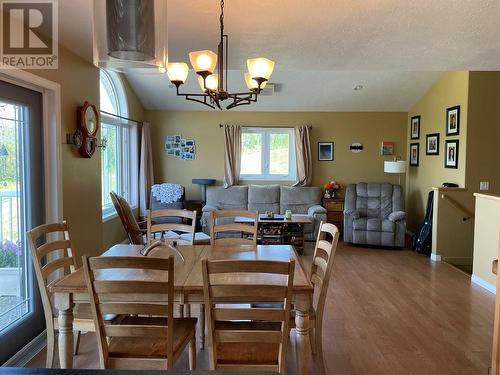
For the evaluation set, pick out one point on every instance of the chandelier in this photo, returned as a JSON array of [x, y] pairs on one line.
[[214, 86]]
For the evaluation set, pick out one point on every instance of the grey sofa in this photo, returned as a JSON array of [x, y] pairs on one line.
[[374, 214], [262, 198]]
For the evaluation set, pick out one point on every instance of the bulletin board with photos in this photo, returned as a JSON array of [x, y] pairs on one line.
[[180, 147]]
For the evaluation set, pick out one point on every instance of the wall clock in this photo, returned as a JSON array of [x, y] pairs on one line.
[[88, 125]]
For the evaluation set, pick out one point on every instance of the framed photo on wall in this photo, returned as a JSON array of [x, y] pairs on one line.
[[387, 148], [453, 120], [415, 127], [451, 154], [432, 144], [414, 151], [325, 151]]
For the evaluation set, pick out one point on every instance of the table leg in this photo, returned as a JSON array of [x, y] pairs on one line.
[[65, 307], [202, 326], [302, 306]]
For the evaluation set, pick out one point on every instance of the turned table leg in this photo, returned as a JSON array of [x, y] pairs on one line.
[[302, 306], [65, 307]]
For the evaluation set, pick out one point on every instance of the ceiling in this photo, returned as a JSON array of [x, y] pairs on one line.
[[322, 48]]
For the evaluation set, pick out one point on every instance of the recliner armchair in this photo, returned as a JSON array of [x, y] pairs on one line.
[[374, 214]]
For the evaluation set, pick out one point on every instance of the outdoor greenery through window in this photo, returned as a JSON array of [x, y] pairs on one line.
[[118, 163], [268, 153]]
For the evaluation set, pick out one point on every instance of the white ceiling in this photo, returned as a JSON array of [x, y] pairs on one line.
[[322, 48]]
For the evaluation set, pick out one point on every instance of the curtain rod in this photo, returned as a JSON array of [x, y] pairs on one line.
[[263, 126], [122, 117]]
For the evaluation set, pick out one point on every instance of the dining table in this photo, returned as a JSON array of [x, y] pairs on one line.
[[188, 287]]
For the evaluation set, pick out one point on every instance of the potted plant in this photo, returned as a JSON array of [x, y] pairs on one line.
[[331, 189]]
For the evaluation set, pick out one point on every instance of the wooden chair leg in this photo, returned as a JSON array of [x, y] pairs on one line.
[[202, 327], [51, 347], [312, 339], [319, 350], [192, 353], [180, 309], [187, 310], [76, 342]]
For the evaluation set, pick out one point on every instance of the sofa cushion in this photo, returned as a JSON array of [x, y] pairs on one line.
[[299, 199], [373, 225], [231, 198], [264, 198]]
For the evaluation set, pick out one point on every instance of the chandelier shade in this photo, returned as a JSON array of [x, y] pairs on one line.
[[130, 35], [252, 84], [260, 68], [177, 72], [211, 82], [203, 62]]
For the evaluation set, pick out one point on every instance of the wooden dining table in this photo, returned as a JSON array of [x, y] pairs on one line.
[[188, 286]]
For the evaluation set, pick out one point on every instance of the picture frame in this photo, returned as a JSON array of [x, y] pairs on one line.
[[415, 127], [453, 120], [387, 148], [414, 154], [325, 151], [432, 144], [451, 154]]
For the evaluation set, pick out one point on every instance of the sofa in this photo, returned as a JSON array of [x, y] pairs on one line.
[[262, 198], [374, 214]]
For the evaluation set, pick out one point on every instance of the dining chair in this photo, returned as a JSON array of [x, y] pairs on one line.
[[149, 337], [171, 229], [247, 231], [133, 228], [52, 260], [241, 337]]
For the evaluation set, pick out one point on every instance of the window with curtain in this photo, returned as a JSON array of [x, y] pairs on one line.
[[119, 169], [268, 154]]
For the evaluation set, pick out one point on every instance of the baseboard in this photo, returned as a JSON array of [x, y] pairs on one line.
[[483, 283], [26, 354], [459, 261], [435, 257]]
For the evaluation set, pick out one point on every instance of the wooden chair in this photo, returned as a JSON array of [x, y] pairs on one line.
[[235, 340], [53, 260], [149, 337], [175, 227], [134, 231], [248, 231]]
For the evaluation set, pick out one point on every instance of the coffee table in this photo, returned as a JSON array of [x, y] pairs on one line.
[[280, 231]]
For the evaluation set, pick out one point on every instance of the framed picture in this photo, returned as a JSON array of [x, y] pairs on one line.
[[325, 151], [453, 120], [451, 154], [415, 127], [387, 148], [432, 144], [414, 151]]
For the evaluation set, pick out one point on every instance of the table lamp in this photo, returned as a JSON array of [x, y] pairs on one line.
[[395, 166]]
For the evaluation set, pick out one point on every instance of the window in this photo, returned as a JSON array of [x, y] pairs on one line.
[[119, 158], [268, 154]]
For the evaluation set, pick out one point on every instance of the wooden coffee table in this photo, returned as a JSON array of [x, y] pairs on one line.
[[280, 231]]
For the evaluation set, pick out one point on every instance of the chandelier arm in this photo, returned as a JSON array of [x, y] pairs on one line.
[[215, 98], [232, 105], [249, 97], [193, 99]]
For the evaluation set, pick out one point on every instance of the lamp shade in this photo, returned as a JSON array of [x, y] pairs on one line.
[[211, 82], [260, 68], [396, 166], [177, 72], [252, 84], [203, 61]]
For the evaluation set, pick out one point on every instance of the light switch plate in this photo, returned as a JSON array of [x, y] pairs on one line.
[[484, 185]]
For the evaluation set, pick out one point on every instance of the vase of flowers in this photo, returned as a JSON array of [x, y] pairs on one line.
[[331, 189]]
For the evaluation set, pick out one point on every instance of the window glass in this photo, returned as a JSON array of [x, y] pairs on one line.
[[251, 153]]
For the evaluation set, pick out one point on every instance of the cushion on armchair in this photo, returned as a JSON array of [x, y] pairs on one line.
[[396, 216]]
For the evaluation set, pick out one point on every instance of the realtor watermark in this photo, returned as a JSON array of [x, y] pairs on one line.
[[29, 34]]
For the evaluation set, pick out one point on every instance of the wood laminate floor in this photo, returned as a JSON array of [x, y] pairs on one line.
[[388, 312]]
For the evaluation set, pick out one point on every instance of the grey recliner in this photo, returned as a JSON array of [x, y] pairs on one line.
[[374, 214]]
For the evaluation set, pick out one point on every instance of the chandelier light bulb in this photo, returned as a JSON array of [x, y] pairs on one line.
[[203, 61], [211, 82], [260, 68], [252, 84], [177, 72]]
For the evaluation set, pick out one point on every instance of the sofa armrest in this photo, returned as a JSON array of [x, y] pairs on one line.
[[397, 216], [208, 208], [352, 214], [316, 209]]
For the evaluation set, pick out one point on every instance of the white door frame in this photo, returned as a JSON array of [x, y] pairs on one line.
[[51, 102]]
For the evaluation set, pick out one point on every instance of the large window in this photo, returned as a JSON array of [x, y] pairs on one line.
[[268, 153], [119, 158]]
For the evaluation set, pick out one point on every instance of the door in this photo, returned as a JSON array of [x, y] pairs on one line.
[[21, 208]]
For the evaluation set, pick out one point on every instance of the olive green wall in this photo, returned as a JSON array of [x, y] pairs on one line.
[[368, 128], [450, 90]]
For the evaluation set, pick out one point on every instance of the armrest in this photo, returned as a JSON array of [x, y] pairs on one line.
[[208, 208], [352, 214], [397, 216], [316, 209]]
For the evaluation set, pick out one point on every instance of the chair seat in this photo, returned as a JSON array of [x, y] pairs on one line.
[[373, 225], [138, 347]]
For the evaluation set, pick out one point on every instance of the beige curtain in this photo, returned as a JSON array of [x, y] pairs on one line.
[[232, 154], [145, 169], [303, 155]]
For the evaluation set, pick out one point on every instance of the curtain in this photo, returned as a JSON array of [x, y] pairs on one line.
[[303, 155], [145, 169], [232, 154]]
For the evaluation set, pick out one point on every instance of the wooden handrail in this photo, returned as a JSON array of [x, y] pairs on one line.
[[459, 206]]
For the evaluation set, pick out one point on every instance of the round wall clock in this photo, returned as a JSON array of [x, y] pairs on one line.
[[88, 125]]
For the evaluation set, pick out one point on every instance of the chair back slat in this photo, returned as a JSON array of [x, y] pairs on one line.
[[134, 297], [56, 265], [247, 232], [49, 247], [230, 282], [175, 227]]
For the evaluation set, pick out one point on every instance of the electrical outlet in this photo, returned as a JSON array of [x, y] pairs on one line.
[[484, 185]]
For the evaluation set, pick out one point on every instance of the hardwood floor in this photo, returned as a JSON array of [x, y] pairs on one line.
[[388, 312]]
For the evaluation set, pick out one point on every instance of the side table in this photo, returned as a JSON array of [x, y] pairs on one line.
[[335, 212]]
